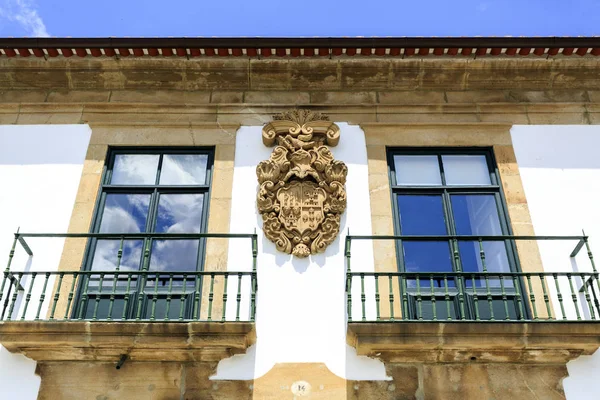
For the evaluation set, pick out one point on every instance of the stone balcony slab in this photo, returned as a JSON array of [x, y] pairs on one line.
[[139, 341], [482, 342]]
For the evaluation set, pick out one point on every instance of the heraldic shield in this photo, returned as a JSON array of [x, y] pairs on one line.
[[301, 206], [301, 195]]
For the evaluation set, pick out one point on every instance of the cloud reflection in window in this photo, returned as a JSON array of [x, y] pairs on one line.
[[183, 169], [179, 213], [125, 213], [135, 169], [174, 255]]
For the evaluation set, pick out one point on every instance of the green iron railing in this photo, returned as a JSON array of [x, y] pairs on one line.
[[473, 296], [129, 295]]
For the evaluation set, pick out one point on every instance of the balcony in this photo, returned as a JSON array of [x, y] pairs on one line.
[[148, 313], [533, 315]]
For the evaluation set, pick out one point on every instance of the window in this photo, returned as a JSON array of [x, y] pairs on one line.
[[146, 191], [438, 193]]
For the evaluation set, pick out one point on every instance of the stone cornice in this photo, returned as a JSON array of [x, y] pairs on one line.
[[140, 341], [483, 342], [312, 75], [230, 115]]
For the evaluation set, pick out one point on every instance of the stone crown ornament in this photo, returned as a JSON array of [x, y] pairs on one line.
[[301, 195]]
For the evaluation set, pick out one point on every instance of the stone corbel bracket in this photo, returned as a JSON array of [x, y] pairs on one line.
[[301, 195]]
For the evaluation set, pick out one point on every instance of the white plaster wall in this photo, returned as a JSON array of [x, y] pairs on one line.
[[40, 168], [301, 303], [560, 169]]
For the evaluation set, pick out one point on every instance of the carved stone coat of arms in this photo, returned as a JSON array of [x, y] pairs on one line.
[[301, 195]]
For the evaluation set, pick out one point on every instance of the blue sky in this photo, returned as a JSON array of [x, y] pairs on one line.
[[101, 18]]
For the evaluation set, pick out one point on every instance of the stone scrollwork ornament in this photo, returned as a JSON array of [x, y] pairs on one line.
[[301, 196]]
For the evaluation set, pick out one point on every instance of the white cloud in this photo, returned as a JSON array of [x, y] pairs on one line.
[[25, 14]]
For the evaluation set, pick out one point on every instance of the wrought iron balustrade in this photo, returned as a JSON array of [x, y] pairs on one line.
[[123, 294], [481, 295]]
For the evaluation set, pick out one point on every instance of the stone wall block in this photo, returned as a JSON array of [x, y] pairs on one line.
[[216, 79], [23, 96], [199, 386], [9, 116], [98, 78], [502, 75], [224, 157], [160, 96], [408, 118], [318, 74], [377, 159], [166, 78], [449, 77], [365, 75], [513, 189], [578, 76], [404, 386], [477, 96], [78, 96], [594, 96], [227, 96], [62, 380], [270, 75], [149, 136], [156, 118], [343, 97], [88, 187], [405, 75], [277, 97], [40, 118], [411, 97], [41, 78]]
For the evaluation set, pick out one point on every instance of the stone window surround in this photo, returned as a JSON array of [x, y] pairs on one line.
[[379, 136], [222, 137]]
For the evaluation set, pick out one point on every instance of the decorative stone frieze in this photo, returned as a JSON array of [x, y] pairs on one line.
[[301, 195]]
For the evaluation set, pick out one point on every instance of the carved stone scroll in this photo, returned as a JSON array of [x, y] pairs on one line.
[[301, 195]]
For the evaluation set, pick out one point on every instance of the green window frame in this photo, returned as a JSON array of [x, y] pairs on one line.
[[432, 290], [156, 221]]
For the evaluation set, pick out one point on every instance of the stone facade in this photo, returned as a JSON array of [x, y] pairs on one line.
[[397, 102]]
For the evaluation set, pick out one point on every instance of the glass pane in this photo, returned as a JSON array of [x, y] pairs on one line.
[[497, 306], [427, 281], [183, 169], [421, 215], [103, 307], [441, 308], [125, 213], [179, 213], [476, 215], [427, 257], [496, 260], [175, 306], [417, 170], [105, 256], [135, 169], [105, 259], [466, 170], [174, 255]]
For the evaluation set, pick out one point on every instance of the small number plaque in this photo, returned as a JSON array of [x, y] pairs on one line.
[[301, 388]]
